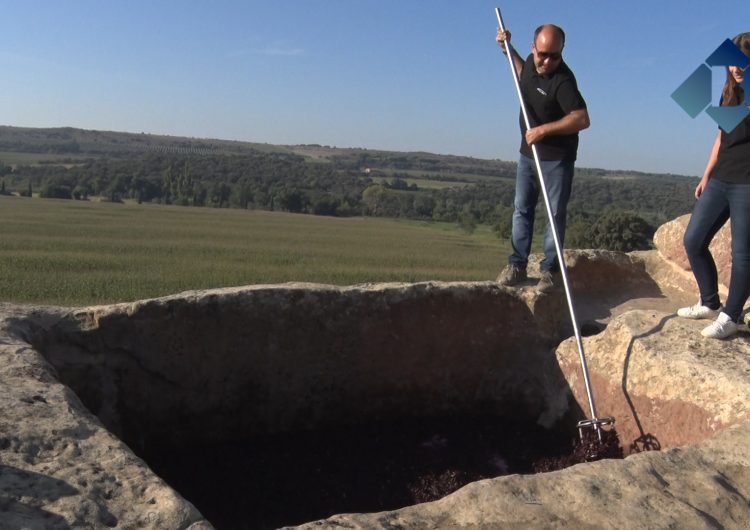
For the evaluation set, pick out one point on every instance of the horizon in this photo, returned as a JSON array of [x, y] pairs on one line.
[[367, 75], [353, 148]]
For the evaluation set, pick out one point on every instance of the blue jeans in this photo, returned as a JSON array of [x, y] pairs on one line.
[[558, 175], [718, 202]]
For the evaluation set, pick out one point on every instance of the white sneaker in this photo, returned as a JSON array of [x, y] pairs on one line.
[[722, 328], [698, 311]]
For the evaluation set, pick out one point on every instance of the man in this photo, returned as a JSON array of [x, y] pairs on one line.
[[556, 111]]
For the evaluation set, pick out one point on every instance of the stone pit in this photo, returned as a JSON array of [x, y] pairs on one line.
[[87, 388]]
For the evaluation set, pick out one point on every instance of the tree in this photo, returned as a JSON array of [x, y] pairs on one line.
[[290, 200], [503, 223], [423, 205], [381, 202], [621, 231], [398, 184], [168, 185], [406, 205], [201, 194], [119, 187], [577, 235], [80, 193], [185, 191], [467, 220], [54, 190], [29, 192], [219, 193], [261, 199], [325, 204], [142, 189], [242, 195], [578, 231]]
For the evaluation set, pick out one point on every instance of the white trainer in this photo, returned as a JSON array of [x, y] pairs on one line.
[[722, 327], [698, 311]]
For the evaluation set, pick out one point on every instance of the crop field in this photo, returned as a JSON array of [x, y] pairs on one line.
[[77, 253]]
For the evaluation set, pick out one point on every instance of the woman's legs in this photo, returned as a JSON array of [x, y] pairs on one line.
[[739, 283], [709, 215]]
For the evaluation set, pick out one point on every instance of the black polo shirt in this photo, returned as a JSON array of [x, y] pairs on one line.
[[733, 161], [548, 98]]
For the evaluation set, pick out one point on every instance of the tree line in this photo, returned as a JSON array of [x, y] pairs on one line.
[[282, 181]]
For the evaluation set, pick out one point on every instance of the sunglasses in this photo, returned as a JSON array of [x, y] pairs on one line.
[[553, 56]]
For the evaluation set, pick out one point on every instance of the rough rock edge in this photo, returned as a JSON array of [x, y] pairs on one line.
[[59, 467]]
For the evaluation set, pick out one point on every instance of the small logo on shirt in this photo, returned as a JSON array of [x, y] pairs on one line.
[[542, 92]]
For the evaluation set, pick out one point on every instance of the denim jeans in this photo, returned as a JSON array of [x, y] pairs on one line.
[[558, 175], [718, 202]]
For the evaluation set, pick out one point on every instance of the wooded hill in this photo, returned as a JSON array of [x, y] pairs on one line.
[[78, 164]]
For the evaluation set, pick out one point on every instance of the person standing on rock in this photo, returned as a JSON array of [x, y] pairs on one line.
[[723, 193], [557, 112]]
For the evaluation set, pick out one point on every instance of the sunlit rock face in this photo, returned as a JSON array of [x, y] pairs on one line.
[[83, 388]]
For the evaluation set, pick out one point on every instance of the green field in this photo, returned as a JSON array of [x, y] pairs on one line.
[[79, 253]]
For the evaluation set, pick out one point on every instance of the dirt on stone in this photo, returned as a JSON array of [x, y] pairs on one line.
[[587, 448], [299, 477]]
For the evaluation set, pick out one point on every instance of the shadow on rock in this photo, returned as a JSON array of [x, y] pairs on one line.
[[21, 495], [645, 441]]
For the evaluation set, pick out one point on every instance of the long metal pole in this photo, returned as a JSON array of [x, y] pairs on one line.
[[595, 422]]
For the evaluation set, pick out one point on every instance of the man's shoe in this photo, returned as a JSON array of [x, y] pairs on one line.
[[511, 275], [698, 311], [722, 327], [547, 281]]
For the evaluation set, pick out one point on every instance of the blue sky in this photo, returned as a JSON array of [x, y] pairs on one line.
[[381, 74]]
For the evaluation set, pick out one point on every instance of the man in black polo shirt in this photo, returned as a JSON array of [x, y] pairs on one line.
[[556, 111]]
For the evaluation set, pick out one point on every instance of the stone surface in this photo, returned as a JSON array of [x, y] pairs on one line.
[[59, 467], [233, 362], [666, 385]]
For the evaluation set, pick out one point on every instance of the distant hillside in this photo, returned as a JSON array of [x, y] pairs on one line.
[[86, 143], [79, 164], [81, 144]]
